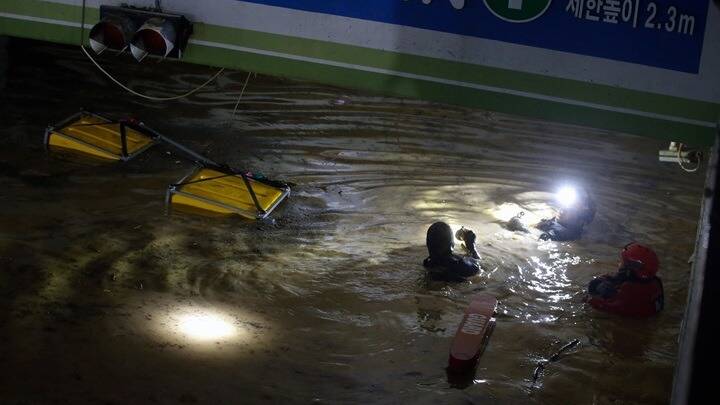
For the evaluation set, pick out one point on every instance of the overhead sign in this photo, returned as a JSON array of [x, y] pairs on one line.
[[666, 34]]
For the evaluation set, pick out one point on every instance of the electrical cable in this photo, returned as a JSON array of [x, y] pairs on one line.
[[82, 24], [241, 94], [131, 91], [680, 160]]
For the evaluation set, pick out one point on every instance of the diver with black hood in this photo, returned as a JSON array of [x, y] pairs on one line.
[[442, 263]]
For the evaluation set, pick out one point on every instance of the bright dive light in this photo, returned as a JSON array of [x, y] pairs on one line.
[[567, 196]]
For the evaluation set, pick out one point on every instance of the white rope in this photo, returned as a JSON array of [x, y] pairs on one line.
[[241, 94], [143, 95]]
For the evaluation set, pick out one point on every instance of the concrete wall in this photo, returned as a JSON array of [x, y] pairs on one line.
[[645, 98]]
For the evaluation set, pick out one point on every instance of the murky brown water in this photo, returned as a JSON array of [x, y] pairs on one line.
[[329, 303]]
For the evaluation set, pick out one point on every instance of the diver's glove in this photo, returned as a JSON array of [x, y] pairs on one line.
[[604, 287], [466, 235]]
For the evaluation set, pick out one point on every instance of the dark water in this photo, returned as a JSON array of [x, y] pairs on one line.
[[329, 302]]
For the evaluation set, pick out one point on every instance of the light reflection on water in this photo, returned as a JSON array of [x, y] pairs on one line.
[[337, 278]]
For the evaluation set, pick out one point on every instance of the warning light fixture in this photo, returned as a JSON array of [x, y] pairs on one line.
[[144, 31], [112, 32]]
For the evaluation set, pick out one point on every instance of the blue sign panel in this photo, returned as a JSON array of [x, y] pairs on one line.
[[661, 33]]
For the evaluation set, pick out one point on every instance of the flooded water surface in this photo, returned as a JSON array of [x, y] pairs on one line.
[[106, 298]]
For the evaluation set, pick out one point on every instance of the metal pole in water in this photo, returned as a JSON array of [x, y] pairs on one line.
[[198, 157]]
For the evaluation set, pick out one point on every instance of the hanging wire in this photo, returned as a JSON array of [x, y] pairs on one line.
[[241, 95], [680, 160], [131, 91], [82, 24]]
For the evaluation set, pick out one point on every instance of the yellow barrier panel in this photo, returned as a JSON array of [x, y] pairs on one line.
[[209, 190], [226, 193], [96, 136]]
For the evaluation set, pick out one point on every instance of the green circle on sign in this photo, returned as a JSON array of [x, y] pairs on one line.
[[518, 11]]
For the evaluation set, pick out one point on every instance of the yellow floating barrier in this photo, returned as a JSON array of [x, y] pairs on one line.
[[97, 137], [227, 193], [212, 187]]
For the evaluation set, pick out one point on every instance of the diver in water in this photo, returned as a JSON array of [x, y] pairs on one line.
[[442, 263], [570, 223], [635, 290]]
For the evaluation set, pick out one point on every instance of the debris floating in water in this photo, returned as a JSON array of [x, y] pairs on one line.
[[555, 357], [340, 101], [515, 223]]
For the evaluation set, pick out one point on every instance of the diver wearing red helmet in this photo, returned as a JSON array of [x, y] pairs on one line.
[[634, 290]]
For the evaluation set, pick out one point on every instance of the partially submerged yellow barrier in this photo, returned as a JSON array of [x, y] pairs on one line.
[[98, 137], [212, 187], [226, 193]]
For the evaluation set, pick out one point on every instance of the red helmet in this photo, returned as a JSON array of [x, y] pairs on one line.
[[642, 260]]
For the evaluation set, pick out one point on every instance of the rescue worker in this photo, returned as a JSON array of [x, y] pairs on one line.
[[570, 222], [442, 263], [635, 290]]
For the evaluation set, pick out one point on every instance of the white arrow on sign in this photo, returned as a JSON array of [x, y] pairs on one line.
[[515, 4]]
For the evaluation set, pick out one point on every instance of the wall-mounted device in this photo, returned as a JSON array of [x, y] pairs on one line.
[[144, 31]]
